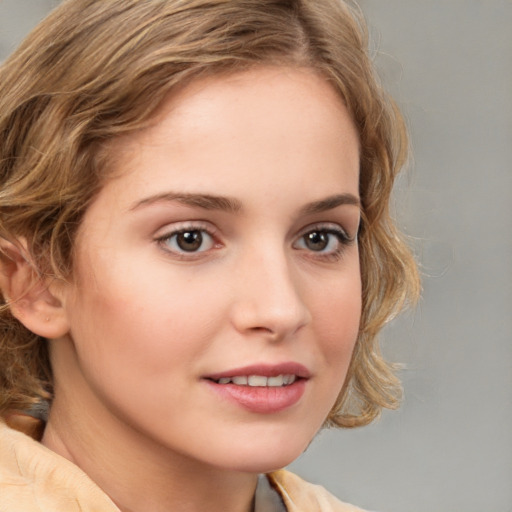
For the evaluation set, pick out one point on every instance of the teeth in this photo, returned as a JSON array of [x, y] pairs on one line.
[[259, 380], [289, 379], [276, 381]]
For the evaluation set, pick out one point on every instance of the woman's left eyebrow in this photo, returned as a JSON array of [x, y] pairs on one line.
[[329, 203]]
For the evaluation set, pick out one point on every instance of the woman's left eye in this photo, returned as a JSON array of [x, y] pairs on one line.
[[325, 241], [188, 241]]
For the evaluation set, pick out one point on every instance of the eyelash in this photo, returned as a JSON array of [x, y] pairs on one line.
[[331, 230], [343, 241], [164, 240]]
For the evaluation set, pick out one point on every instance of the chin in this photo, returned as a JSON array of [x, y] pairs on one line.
[[264, 448], [265, 459]]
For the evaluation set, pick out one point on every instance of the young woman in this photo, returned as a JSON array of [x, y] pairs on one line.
[[196, 252]]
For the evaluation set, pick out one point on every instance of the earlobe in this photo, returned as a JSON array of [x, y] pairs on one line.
[[31, 298]]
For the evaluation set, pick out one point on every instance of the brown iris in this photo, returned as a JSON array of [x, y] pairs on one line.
[[189, 241], [317, 240]]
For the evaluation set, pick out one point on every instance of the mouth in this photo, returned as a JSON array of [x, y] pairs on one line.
[[262, 389], [262, 375], [262, 381]]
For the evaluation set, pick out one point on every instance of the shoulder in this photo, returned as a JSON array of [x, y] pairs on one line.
[[301, 496], [35, 479]]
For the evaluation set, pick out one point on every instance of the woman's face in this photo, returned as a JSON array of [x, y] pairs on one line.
[[217, 294]]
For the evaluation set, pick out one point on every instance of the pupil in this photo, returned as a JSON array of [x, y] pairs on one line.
[[317, 241], [189, 240]]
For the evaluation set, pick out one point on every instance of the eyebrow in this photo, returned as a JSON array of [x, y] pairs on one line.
[[232, 205], [204, 201], [329, 203]]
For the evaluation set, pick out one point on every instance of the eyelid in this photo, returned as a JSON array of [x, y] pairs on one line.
[[344, 240], [176, 228], [179, 226], [330, 227]]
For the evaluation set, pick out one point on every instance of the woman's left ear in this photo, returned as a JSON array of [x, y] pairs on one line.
[[37, 302]]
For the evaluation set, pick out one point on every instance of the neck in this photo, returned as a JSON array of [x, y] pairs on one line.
[[138, 474]]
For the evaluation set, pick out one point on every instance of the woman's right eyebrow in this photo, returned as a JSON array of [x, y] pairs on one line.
[[204, 201]]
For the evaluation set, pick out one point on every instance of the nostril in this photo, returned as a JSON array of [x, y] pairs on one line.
[[264, 331]]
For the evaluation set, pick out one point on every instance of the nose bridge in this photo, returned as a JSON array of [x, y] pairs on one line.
[[269, 297]]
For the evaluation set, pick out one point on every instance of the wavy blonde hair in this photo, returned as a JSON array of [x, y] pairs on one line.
[[96, 69]]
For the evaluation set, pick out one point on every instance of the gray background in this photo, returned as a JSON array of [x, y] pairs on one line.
[[449, 449]]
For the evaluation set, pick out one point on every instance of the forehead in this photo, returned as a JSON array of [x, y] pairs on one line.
[[265, 108], [280, 133]]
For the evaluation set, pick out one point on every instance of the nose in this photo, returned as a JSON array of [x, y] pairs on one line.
[[268, 300]]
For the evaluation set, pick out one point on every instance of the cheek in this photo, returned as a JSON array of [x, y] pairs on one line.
[[335, 323], [339, 306], [336, 320], [152, 323]]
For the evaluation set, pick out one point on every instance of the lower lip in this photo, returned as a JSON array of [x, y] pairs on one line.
[[262, 400]]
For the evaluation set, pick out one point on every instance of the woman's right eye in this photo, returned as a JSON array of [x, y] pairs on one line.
[[187, 241]]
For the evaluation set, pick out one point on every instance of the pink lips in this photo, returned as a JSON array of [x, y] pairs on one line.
[[262, 399]]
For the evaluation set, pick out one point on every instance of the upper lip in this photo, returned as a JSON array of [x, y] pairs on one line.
[[266, 370]]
